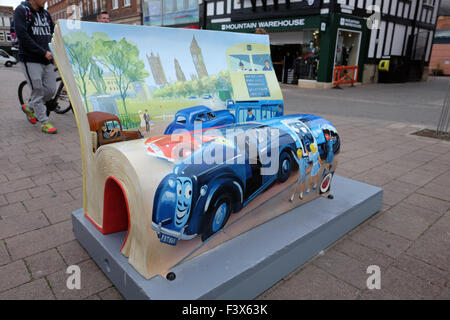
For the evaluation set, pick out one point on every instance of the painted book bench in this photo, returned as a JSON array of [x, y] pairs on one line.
[[184, 140]]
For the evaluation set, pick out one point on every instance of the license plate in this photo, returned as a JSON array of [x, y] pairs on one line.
[[168, 239]]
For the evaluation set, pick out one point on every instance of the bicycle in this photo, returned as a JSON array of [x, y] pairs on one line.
[[60, 102]]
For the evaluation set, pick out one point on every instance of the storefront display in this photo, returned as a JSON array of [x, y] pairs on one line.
[[170, 12]]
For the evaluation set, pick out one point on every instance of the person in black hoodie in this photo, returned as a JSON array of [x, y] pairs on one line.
[[34, 28]]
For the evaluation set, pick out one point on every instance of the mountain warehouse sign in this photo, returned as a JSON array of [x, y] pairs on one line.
[[269, 25]]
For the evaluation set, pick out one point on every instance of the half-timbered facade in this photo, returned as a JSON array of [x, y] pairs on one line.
[[322, 34]]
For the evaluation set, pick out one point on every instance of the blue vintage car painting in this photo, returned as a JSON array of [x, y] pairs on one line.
[[198, 197], [186, 119]]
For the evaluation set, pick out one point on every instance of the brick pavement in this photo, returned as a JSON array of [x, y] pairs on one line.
[[40, 184]]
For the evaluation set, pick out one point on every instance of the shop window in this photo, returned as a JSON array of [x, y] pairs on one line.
[[301, 61], [347, 48]]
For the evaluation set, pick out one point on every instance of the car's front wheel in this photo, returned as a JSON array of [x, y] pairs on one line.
[[285, 167], [217, 215], [8, 64]]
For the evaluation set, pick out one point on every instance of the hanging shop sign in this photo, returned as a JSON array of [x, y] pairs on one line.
[[274, 25]]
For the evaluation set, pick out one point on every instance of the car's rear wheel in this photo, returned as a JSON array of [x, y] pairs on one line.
[[326, 182], [217, 215], [284, 167]]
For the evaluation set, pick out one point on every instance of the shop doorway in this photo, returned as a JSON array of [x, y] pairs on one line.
[[295, 55], [347, 48]]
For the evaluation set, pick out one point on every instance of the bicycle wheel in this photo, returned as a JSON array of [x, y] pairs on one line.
[[62, 99], [24, 92]]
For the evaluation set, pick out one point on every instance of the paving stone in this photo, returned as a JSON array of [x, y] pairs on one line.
[[76, 193], [111, 294], [422, 270], [3, 201], [54, 159], [15, 185], [427, 202], [421, 155], [406, 220], [93, 297], [391, 198], [33, 242], [443, 180], [46, 178], [35, 290], [62, 212], [13, 274], [436, 191], [444, 157], [343, 267], [433, 246], [15, 223], [66, 184], [34, 164], [406, 163], [72, 252], [437, 148], [16, 174], [400, 187], [391, 170], [418, 177], [373, 177], [434, 166], [16, 208], [365, 255], [92, 281], [45, 263], [311, 283], [47, 201], [377, 294], [384, 242], [68, 174], [17, 196], [40, 191], [4, 256], [406, 286]]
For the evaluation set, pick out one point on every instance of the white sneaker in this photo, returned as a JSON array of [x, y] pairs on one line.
[[301, 195]]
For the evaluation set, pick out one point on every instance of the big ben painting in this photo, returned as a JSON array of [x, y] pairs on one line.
[[197, 58]]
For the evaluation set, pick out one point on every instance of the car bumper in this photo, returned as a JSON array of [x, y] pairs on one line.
[[178, 235]]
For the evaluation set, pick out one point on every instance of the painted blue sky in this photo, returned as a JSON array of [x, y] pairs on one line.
[[173, 43]]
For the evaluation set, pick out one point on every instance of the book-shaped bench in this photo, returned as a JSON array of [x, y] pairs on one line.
[[184, 140]]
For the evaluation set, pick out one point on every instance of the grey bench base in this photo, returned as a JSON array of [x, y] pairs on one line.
[[246, 266]]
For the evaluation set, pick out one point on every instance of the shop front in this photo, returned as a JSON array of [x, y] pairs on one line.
[[294, 43], [305, 50], [345, 38]]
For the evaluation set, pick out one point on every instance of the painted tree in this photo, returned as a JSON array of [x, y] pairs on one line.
[[121, 58], [79, 47], [96, 78]]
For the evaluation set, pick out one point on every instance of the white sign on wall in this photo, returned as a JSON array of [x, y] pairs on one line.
[[346, 22]]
